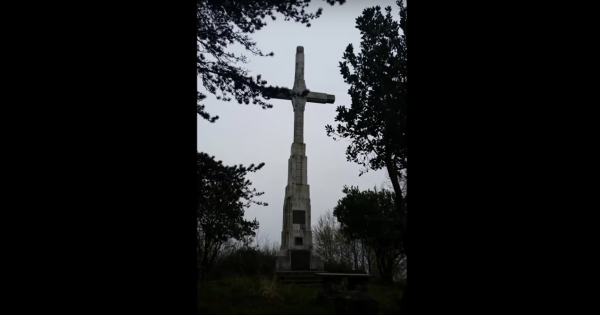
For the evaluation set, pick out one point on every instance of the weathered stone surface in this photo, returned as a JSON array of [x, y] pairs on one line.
[[323, 98], [297, 191]]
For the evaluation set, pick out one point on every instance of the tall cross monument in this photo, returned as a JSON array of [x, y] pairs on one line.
[[296, 252]]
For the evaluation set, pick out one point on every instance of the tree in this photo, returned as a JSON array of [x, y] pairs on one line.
[[226, 22], [376, 119], [340, 253], [223, 193], [324, 237], [371, 216], [388, 183]]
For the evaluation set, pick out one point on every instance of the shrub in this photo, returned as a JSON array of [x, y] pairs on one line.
[[245, 261]]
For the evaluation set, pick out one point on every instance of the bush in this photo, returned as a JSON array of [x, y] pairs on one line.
[[244, 261]]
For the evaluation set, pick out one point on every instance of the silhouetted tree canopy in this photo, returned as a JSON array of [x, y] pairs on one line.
[[226, 22], [223, 193], [371, 216], [376, 119]]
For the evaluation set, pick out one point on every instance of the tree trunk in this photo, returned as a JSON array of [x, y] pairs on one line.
[[204, 260], [369, 261], [402, 212], [363, 254], [400, 206], [355, 254]]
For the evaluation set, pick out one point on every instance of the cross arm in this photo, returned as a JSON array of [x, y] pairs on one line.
[[313, 97], [323, 98], [287, 95]]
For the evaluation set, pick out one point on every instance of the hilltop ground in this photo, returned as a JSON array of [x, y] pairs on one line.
[[254, 295]]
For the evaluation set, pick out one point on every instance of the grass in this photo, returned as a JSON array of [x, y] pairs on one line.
[[253, 295]]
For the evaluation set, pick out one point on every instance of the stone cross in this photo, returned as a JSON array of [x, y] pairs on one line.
[[296, 251], [298, 102]]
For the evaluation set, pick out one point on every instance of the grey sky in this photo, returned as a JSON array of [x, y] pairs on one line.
[[246, 134]]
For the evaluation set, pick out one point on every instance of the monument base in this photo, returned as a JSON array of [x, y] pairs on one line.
[[298, 260]]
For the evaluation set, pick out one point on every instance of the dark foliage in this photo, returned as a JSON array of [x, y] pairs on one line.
[[245, 262], [371, 216], [226, 22], [223, 193], [376, 119]]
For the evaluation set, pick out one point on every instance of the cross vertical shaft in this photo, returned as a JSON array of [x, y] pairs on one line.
[[299, 102], [299, 124], [299, 84]]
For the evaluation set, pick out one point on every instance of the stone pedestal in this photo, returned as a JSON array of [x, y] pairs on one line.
[[296, 253], [298, 260]]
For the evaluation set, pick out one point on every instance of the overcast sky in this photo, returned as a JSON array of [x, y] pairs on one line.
[[246, 134]]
